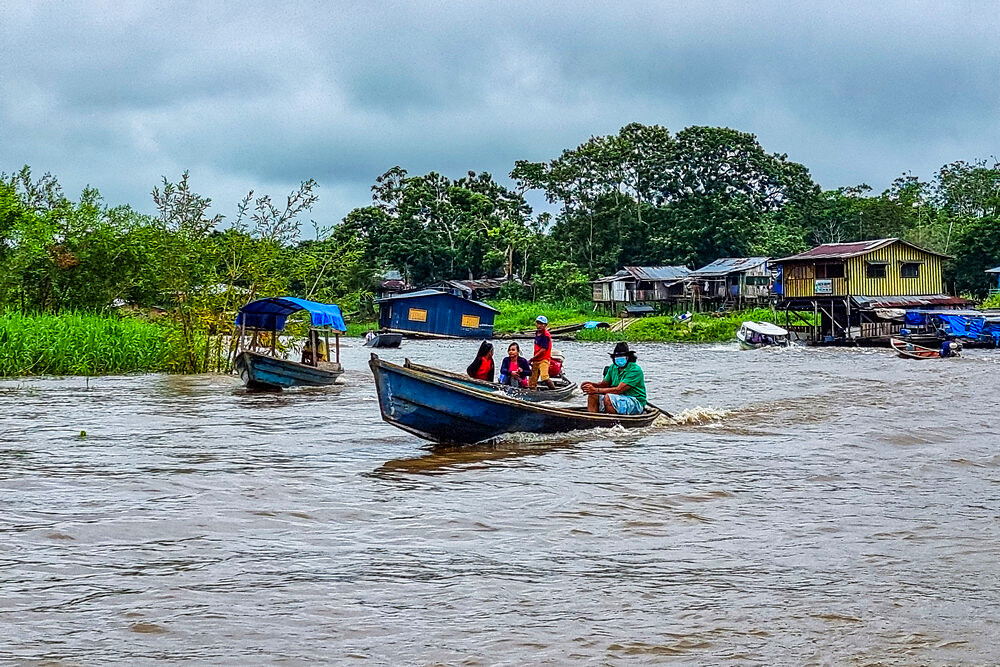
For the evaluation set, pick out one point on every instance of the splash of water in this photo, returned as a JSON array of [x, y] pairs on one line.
[[693, 417]]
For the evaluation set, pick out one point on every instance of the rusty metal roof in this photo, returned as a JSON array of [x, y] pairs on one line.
[[909, 301], [852, 249], [727, 265], [659, 272], [669, 274]]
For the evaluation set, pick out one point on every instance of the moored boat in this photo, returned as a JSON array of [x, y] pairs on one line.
[[442, 410], [564, 388], [910, 350], [384, 339], [257, 358], [753, 335]]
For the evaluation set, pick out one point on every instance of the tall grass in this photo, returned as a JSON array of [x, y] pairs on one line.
[[701, 328], [84, 344]]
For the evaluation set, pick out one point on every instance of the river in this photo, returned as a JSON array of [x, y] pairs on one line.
[[825, 506]]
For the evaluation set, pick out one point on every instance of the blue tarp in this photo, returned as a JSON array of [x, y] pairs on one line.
[[272, 312]]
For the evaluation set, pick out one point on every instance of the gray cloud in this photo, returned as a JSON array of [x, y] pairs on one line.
[[263, 96]]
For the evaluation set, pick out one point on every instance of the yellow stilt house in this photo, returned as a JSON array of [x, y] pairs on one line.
[[859, 290]]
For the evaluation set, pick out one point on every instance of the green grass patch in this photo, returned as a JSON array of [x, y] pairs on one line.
[[701, 328], [520, 315], [85, 344]]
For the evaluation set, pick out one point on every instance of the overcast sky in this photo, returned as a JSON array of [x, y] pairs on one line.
[[265, 95]]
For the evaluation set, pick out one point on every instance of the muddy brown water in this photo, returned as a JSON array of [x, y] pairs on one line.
[[806, 506]]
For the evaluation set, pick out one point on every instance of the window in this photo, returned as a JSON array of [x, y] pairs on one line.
[[875, 270], [470, 321], [799, 272], [909, 270], [418, 315], [830, 270]]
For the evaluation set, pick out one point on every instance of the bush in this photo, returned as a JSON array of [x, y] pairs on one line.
[[561, 281]]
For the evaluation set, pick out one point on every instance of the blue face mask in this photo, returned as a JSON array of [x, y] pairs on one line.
[[621, 361]]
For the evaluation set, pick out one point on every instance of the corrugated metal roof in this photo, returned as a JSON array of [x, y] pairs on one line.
[[658, 272], [993, 270], [419, 294], [727, 265], [853, 249], [909, 301]]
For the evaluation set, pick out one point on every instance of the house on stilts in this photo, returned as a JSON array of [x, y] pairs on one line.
[[857, 292]]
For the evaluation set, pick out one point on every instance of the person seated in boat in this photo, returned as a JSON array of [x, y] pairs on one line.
[[950, 348], [482, 367], [623, 389], [314, 351], [370, 336], [556, 365], [514, 369]]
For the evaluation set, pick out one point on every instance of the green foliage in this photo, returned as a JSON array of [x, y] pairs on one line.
[[701, 328], [976, 249], [561, 281], [520, 315], [76, 343]]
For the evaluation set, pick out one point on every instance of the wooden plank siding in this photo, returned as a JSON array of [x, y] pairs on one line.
[[897, 254], [799, 277]]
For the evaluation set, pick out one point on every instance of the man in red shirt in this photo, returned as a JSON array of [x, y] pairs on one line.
[[543, 354]]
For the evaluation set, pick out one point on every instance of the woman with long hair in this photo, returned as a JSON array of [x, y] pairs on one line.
[[482, 367]]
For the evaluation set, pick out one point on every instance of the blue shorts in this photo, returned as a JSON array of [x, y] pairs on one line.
[[624, 405]]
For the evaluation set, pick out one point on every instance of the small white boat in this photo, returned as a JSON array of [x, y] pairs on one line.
[[761, 334]]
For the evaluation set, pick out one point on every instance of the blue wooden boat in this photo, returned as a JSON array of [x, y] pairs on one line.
[[564, 388], [263, 372], [257, 360], [441, 410]]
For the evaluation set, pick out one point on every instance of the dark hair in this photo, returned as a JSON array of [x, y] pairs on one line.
[[514, 345], [484, 349]]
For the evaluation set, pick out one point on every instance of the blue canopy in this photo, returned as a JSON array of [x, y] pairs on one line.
[[272, 312]]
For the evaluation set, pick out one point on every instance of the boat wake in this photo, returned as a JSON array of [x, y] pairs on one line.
[[698, 416]]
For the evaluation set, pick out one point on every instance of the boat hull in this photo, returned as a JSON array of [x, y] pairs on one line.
[[441, 410], [386, 339], [265, 373], [909, 350], [560, 393]]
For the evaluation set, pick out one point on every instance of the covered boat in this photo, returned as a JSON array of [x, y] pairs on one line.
[[910, 350], [752, 335], [564, 388], [258, 361], [442, 410]]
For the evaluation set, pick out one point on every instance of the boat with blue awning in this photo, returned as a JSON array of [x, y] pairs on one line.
[[259, 360]]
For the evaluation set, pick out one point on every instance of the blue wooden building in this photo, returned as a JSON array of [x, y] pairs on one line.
[[433, 312]]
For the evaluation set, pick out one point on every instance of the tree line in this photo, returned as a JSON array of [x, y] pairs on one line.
[[643, 196]]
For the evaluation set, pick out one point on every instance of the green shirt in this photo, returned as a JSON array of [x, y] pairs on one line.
[[630, 375]]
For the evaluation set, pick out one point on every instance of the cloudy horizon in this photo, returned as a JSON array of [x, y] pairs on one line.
[[257, 96]]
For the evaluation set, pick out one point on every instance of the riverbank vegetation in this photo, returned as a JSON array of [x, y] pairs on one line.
[[72, 343], [700, 328], [644, 196]]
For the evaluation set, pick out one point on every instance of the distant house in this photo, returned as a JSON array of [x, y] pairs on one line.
[[853, 288], [484, 288], [732, 280], [994, 275], [432, 312], [641, 284], [392, 282]]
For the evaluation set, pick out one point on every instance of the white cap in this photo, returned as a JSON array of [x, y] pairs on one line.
[[542, 319]]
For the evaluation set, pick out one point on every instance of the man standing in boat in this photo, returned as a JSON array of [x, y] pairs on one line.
[[543, 354], [623, 388]]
